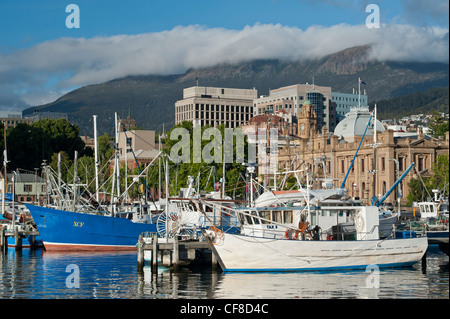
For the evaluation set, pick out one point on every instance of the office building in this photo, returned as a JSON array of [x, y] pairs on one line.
[[291, 99], [346, 101], [215, 106]]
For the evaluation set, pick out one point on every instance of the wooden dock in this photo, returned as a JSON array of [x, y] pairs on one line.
[[174, 254], [18, 236]]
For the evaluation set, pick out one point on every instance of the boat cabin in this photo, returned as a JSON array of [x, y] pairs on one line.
[[322, 223]]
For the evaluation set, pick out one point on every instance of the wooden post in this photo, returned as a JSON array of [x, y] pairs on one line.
[[3, 241], [176, 254], [18, 241], [140, 254], [213, 261], [155, 253], [424, 263]]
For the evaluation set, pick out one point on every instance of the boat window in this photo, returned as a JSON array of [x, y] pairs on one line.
[[341, 213], [276, 217], [287, 217], [432, 208], [249, 219], [313, 218], [241, 218], [325, 213], [266, 215], [333, 213], [256, 220]]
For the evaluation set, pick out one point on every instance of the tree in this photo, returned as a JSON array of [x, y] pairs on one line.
[[27, 147], [62, 136], [179, 172], [440, 178], [66, 164], [438, 125]]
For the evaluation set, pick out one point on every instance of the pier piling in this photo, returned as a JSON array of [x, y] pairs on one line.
[[155, 253], [140, 254], [176, 254], [18, 241]]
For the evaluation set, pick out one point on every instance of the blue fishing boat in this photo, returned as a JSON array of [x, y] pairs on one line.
[[66, 230]]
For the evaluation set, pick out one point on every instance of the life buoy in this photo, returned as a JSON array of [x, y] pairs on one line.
[[291, 233]]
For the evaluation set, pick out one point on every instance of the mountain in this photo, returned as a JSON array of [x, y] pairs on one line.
[[421, 102], [150, 99]]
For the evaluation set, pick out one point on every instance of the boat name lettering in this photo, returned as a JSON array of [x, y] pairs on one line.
[[78, 224], [272, 226]]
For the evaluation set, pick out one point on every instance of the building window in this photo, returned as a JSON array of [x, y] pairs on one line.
[[400, 163], [421, 164], [362, 165], [383, 164], [342, 166], [27, 188]]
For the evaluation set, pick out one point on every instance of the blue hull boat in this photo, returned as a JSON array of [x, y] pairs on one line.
[[65, 230]]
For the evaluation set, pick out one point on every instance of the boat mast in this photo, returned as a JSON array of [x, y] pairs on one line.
[[117, 156], [96, 158], [5, 158], [375, 152], [167, 199], [74, 186], [59, 179]]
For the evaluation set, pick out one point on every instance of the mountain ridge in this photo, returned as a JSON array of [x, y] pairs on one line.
[[150, 98]]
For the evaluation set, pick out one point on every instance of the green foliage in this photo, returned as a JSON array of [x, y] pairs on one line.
[[436, 99], [439, 180], [438, 125], [29, 145], [179, 172]]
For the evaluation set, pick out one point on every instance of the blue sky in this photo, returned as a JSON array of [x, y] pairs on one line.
[[41, 59], [27, 22]]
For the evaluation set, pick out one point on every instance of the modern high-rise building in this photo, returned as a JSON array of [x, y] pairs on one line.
[[345, 101], [215, 106], [291, 99]]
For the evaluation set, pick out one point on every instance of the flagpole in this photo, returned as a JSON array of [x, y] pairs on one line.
[[359, 92]]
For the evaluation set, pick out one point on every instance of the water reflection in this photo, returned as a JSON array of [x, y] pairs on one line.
[[40, 274]]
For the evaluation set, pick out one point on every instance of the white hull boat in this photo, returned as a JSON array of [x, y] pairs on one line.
[[311, 238], [249, 254]]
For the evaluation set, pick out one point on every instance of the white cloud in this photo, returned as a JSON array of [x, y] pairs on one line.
[[66, 62]]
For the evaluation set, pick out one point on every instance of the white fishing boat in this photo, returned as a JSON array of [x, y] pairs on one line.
[[311, 238]]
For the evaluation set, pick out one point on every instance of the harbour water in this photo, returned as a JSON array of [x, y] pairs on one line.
[[37, 274]]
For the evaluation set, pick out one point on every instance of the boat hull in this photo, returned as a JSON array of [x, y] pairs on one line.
[[71, 231], [246, 253]]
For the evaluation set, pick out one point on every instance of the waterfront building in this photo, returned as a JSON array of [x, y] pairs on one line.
[[291, 99], [12, 118], [329, 156], [28, 187], [346, 101], [141, 142], [37, 115], [215, 106]]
